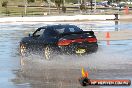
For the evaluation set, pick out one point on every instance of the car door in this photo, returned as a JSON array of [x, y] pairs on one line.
[[49, 36], [37, 40]]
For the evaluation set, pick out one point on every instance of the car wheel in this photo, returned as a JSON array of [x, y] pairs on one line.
[[22, 49], [48, 52]]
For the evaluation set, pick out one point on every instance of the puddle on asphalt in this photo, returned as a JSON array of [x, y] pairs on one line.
[[64, 71]]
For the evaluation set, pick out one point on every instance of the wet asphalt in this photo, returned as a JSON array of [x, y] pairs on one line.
[[113, 61]]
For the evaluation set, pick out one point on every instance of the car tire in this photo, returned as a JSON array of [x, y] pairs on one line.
[[23, 50], [48, 52]]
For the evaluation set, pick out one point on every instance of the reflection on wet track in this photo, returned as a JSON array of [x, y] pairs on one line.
[[110, 62]]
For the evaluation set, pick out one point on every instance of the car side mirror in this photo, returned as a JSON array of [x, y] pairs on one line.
[[30, 34]]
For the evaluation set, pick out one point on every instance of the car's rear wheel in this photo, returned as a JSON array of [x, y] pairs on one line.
[[48, 52]]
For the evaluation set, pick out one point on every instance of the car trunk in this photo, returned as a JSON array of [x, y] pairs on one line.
[[78, 42]]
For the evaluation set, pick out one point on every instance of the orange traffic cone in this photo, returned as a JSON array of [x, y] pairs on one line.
[[107, 35], [126, 11]]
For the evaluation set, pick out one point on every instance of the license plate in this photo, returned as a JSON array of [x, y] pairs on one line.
[[80, 51]]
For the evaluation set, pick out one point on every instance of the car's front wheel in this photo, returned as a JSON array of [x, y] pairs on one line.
[[48, 52], [23, 50]]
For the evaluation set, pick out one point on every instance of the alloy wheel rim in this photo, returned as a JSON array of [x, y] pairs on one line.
[[47, 53], [22, 49]]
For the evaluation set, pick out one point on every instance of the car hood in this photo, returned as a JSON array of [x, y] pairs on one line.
[[25, 40]]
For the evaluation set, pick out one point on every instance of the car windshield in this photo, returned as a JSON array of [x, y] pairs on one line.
[[67, 29]]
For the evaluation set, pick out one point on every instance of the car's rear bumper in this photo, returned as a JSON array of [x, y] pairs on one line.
[[78, 48]]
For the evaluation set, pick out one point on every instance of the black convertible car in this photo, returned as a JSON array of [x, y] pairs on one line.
[[57, 39]]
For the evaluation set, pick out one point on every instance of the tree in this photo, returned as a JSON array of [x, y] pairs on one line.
[[63, 6], [58, 4], [44, 0], [26, 3], [49, 4], [25, 9], [4, 4], [30, 1]]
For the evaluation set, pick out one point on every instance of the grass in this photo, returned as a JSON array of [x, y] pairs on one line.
[[39, 11], [14, 10], [130, 5]]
